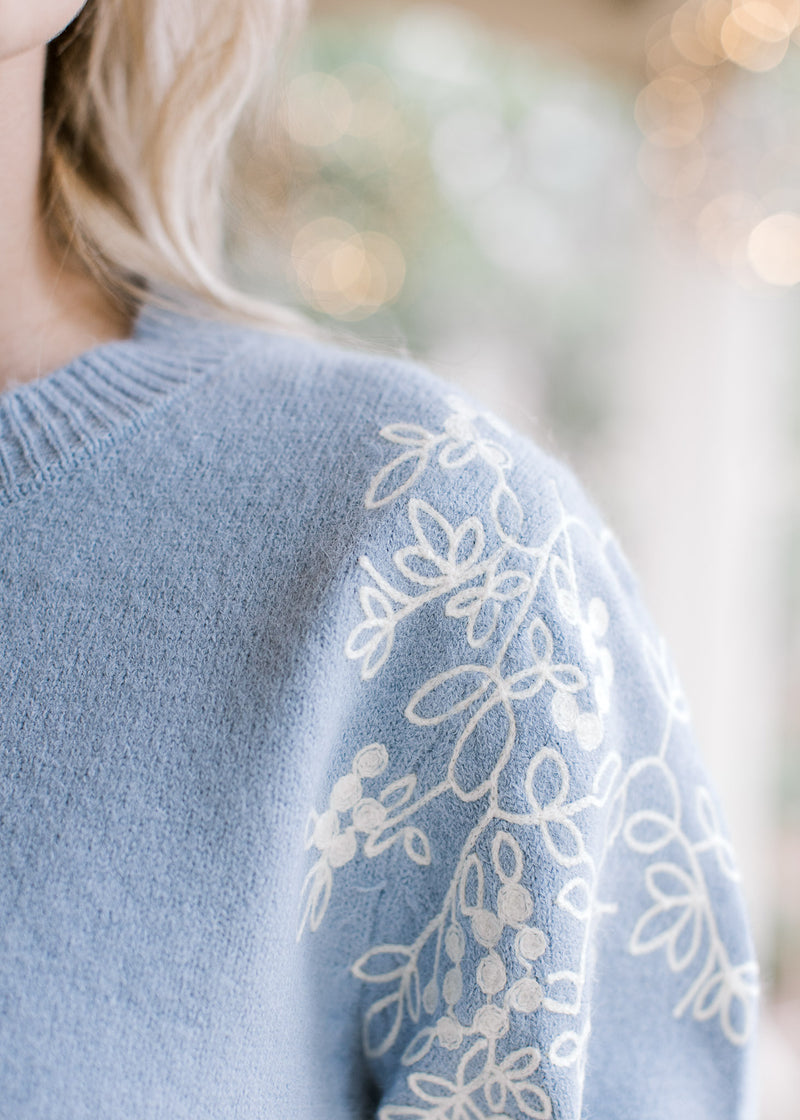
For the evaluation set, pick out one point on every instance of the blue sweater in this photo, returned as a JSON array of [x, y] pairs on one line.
[[342, 774]]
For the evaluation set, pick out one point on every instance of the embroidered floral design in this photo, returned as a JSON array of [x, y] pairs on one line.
[[489, 582]]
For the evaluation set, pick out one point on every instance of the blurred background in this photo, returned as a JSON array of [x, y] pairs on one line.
[[587, 214]]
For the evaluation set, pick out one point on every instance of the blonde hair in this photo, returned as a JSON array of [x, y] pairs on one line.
[[141, 104]]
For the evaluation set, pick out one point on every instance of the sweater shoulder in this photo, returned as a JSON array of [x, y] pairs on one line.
[[329, 384], [394, 428], [401, 456], [515, 762]]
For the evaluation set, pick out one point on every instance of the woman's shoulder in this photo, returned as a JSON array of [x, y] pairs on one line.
[[389, 455], [518, 762], [408, 431], [331, 381], [428, 465]]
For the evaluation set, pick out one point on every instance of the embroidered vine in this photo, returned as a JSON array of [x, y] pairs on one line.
[[490, 582]]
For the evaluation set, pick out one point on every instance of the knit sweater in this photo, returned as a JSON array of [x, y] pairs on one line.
[[342, 773]]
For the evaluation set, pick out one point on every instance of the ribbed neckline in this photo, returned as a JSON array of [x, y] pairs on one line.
[[48, 425]]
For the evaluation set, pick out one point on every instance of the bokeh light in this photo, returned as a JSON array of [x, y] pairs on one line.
[[716, 89], [318, 109], [774, 249], [670, 109], [344, 273], [755, 35]]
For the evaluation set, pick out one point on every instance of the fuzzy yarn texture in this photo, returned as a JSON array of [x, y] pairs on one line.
[[342, 773]]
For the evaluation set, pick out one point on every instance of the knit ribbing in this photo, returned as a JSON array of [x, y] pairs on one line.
[[48, 425]]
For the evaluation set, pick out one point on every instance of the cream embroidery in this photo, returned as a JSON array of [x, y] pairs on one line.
[[491, 592]]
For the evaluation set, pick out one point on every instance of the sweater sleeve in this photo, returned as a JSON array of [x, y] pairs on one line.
[[518, 865]]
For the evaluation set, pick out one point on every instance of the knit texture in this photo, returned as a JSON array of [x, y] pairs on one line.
[[342, 774]]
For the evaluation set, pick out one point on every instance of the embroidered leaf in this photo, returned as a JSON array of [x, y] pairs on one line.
[[547, 782], [510, 585], [318, 886], [412, 435], [481, 604], [563, 580], [419, 1046], [676, 920], [472, 1066], [429, 1087], [707, 815], [661, 925], [606, 777], [482, 749], [507, 511], [665, 679], [565, 841], [433, 531], [441, 551], [466, 546], [417, 846], [372, 639], [447, 694], [495, 454], [471, 880], [417, 566], [562, 836], [467, 603], [382, 1024], [669, 883], [373, 642], [540, 641], [710, 996], [375, 604], [525, 684], [521, 1063], [739, 1011], [481, 612], [565, 990], [311, 824], [412, 996], [565, 677], [396, 477], [648, 831], [732, 994], [456, 453], [566, 1049], [382, 963], [507, 857], [568, 678], [495, 1092], [398, 792], [575, 897], [532, 1101]]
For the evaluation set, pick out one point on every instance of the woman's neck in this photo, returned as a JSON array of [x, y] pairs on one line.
[[49, 312]]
